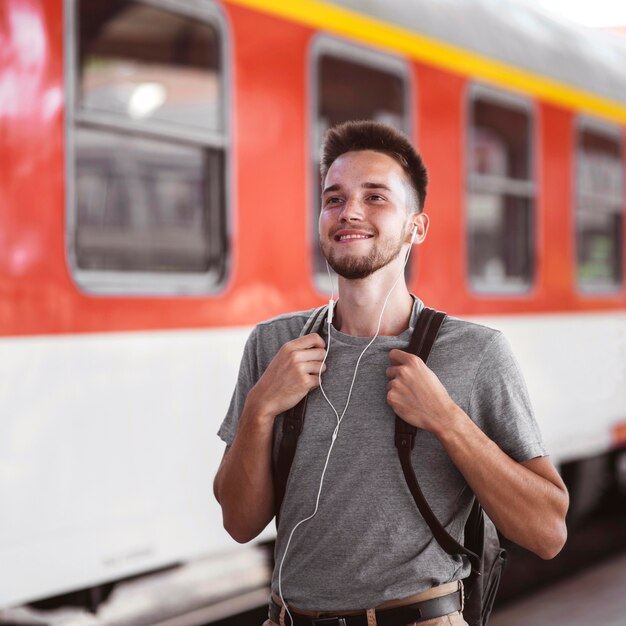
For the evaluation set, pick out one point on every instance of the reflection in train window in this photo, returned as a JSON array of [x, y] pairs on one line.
[[600, 209], [342, 83], [149, 144], [500, 195], [342, 73]]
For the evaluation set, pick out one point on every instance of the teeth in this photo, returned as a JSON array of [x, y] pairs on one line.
[[353, 237]]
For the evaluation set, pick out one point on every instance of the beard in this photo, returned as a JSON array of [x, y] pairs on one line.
[[355, 267]]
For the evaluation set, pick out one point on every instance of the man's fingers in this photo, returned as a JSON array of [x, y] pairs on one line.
[[313, 367], [399, 357], [308, 341], [313, 374], [304, 370], [311, 354], [391, 372]]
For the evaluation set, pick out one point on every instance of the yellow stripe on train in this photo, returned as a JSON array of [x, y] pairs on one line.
[[340, 21]]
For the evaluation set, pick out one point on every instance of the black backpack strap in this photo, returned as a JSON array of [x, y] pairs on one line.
[[293, 422], [426, 329]]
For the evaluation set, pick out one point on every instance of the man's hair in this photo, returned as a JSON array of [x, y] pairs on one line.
[[368, 135]]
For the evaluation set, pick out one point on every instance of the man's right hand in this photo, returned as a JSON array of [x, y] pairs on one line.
[[292, 373], [243, 485]]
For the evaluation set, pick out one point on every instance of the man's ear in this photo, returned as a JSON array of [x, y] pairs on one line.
[[419, 225]]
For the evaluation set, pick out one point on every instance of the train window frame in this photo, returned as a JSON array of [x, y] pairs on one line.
[[612, 132], [376, 58], [150, 283], [527, 189]]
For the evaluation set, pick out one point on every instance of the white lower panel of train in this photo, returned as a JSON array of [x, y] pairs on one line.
[[108, 443]]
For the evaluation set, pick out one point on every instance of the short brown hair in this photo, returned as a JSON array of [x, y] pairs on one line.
[[368, 135]]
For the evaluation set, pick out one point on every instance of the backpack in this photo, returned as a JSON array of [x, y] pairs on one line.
[[481, 543]]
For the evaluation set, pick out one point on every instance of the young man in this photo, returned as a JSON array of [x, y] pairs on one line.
[[367, 549]]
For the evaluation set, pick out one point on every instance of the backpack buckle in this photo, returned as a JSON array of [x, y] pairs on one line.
[[405, 441]]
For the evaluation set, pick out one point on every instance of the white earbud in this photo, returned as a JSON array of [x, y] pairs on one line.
[[413, 233], [331, 301]]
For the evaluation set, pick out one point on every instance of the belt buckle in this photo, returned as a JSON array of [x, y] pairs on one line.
[[328, 621]]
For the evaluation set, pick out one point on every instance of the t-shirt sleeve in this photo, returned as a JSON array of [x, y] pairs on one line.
[[246, 379], [500, 404]]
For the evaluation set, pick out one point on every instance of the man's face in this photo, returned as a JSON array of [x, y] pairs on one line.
[[365, 216]]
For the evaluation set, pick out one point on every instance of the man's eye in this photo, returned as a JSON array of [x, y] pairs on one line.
[[332, 200], [375, 197]]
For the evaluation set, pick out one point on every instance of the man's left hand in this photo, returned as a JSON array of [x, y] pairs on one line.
[[416, 394]]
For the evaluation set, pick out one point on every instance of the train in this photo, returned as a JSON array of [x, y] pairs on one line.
[[159, 197]]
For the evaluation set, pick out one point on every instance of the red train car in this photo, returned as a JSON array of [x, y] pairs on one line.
[[159, 196]]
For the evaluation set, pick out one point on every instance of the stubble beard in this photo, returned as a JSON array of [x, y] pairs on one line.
[[355, 267]]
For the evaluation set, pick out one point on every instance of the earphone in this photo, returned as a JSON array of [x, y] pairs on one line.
[[331, 305]]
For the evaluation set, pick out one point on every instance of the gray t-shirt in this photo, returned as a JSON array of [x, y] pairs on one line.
[[368, 542]]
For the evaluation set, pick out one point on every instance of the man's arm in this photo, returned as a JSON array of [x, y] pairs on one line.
[[526, 501], [243, 484]]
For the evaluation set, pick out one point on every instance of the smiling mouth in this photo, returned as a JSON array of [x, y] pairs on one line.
[[351, 237]]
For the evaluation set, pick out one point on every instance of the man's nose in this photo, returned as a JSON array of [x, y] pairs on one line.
[[352, 210]]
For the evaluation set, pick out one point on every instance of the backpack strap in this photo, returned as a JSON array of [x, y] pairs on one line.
[[424, 335], [293, 422]]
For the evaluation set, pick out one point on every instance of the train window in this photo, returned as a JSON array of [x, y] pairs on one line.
[[500, 194], [149, 144], [600, 208], [342, 73]]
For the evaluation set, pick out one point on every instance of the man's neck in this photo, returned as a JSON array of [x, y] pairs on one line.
[[361, 301]]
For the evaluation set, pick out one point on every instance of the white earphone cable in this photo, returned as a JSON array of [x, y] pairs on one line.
[[339, 419]]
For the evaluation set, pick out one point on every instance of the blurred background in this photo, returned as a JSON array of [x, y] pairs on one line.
[[159, 193]]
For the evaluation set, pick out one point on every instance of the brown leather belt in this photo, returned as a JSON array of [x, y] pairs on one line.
[[398, 616]]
